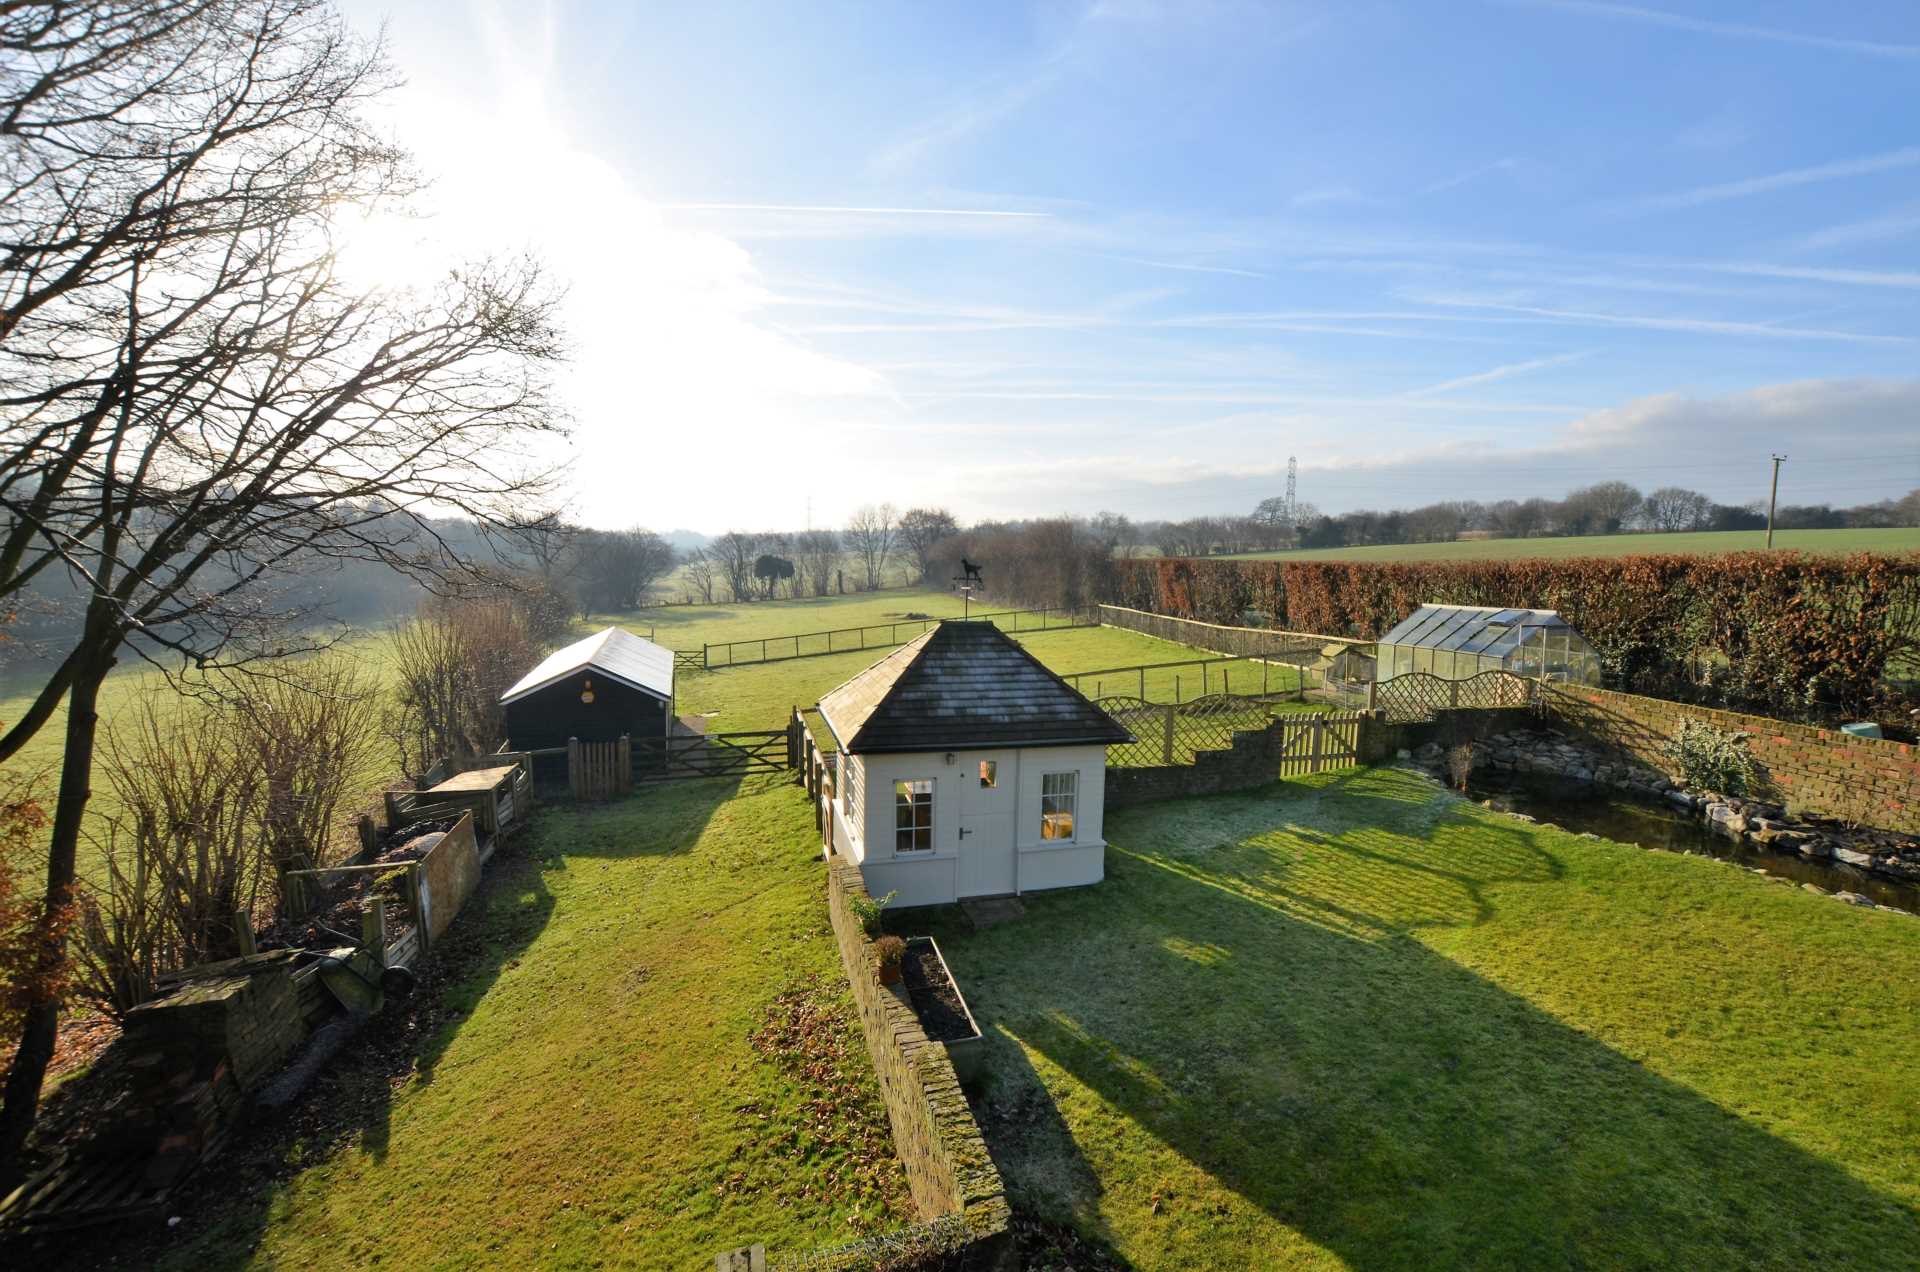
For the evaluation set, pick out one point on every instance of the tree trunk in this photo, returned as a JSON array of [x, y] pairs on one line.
[[42, 1024]]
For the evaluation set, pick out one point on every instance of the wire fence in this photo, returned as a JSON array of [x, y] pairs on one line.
[[846, 640]]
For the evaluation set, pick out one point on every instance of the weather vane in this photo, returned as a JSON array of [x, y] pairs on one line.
[[968, 579]]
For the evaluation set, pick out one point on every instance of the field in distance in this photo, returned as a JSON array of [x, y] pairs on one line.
[[1702, 543]]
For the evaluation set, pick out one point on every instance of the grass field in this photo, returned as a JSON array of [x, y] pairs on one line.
[[1701, 544], [760, 697], [1354, 1022], [595, 1100]]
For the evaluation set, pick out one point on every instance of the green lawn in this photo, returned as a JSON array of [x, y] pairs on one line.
[[1353, 1021], [595, 1101], [691, 626], [760, 697], [1700, 544]]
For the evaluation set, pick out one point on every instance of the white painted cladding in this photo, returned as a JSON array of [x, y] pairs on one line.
[[996, 848]]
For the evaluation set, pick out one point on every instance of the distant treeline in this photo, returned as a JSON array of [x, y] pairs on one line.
[[1610, 507], [1783, 632]]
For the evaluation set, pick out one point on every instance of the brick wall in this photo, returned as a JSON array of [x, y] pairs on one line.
[[1869, 780], [934, 1131]]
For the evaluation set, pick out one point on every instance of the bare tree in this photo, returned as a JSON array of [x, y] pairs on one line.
[[1676, 508], [871, 536], [191, 400], [617, 567], [819, 557], [921, 530], [450, 666], [1115, 533], [702, 571], [734, 554]]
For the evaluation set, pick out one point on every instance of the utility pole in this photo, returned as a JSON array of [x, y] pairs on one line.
[[1773, 498]]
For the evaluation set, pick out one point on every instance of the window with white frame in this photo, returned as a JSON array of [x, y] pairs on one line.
[[1058, 793], [913, 815], [850, 789]]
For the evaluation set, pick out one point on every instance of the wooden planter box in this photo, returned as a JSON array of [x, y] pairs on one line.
[[968, 1054]]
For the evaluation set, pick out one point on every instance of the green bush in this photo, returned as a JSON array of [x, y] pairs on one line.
[[867, 910], [1710, 759]]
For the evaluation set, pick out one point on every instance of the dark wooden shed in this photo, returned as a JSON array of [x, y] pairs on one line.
[[597, 689]]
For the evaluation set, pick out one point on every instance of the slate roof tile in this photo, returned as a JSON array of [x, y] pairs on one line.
[[962, 686]]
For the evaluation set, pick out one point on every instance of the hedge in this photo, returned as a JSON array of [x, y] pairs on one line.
[[1794, 633]]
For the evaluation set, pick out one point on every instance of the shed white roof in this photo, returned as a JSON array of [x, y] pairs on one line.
[[617, 654]]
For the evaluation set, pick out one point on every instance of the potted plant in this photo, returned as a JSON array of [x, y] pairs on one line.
[[889, 952]]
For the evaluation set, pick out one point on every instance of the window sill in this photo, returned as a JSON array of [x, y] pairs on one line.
[[910, 857], [1055, 845]]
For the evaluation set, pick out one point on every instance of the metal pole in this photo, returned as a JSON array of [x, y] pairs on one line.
[[1773, 497]]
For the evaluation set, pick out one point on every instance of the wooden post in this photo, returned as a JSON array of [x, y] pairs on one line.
[[1373, 695], [573, 767], [1176, 686], [1143, 684], [369, 836], [243, 933], [1166, 738], [1319, 733], [1203, 680], [373, 930], [1264, 664], [411, 885], [623, 764], [393, 810], [1453, 694]]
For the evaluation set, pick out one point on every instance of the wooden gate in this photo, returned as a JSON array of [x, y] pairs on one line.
[[599, 770], [716, 754], [1316, 743]]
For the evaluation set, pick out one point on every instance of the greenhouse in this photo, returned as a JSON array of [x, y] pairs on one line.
[[1458, 641]]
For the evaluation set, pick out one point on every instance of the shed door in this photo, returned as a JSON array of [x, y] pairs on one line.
[[989, 790]]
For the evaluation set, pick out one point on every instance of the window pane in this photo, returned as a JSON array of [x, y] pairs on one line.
[[913, 815], [989, 773]]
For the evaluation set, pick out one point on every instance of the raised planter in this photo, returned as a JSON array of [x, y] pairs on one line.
[[941, 1007]]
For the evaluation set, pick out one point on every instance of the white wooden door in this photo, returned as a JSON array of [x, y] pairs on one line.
[[989, 789]]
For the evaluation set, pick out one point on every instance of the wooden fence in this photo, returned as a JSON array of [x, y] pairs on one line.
[[846, 640], [599, 770], [1297, 648], [1190, 679]]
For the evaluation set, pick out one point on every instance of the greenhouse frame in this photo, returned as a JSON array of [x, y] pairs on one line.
[[1458, 641]]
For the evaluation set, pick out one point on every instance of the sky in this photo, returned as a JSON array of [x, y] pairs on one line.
[[1027, 259]]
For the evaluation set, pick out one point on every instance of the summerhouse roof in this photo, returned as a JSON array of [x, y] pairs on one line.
[[619, 655], [1470, 629], [962, 686]]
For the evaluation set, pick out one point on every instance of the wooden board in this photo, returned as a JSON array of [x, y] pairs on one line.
[[473, 780]]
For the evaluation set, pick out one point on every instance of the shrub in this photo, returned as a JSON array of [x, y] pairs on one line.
[[889, 952], [1784, 631], [1460, 764], [867, 910], [451, 664], [1710, 759]]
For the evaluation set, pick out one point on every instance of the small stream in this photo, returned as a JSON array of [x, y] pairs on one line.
[[1582, 807]]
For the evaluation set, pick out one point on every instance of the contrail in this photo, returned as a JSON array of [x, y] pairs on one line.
[[808, 207]]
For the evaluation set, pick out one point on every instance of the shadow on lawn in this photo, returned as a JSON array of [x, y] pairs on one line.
[[1261, 1007], [229, 1204]]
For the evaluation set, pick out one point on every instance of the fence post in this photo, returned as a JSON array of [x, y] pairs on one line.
[[1453, 693], [623, 764], [369, 835], [412, 885], [1373, 695], [573, 767], [373, 930], [243, 933], [1166, 740], [1319, 733], [1143, 684]]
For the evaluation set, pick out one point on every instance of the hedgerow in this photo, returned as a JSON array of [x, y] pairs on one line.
[[1785, 631]]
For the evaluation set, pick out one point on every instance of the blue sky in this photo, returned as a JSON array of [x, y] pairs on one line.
[[1027, 259]]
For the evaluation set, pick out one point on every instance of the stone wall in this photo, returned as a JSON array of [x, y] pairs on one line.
[[1253, 761], [951, 1175], [1808, 769]]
